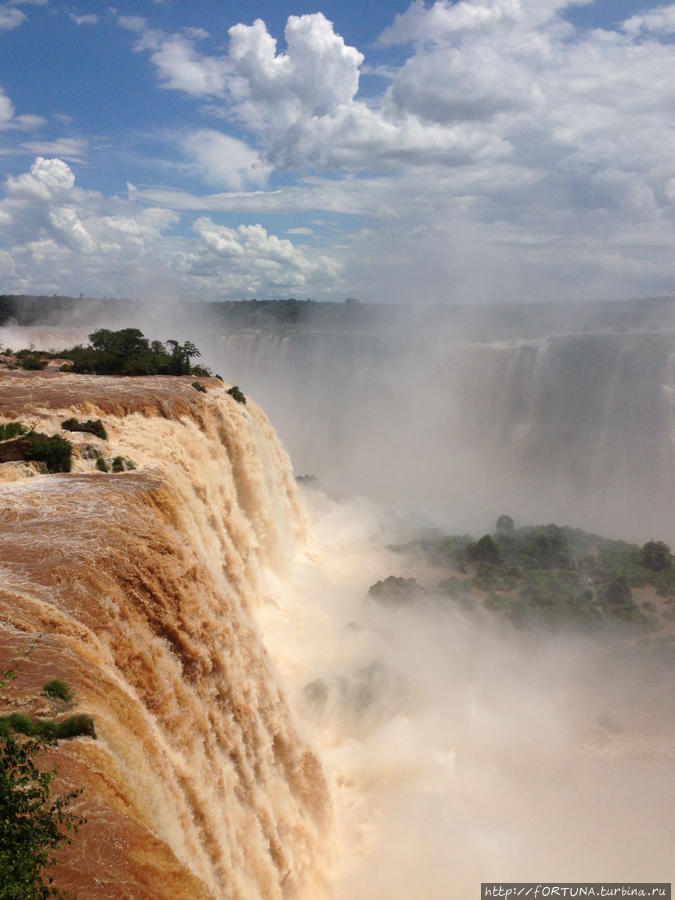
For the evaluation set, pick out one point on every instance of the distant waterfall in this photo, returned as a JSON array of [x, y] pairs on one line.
[[574, 427]]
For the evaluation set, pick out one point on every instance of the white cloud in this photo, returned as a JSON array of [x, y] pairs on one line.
[[11, 122], [444, 19], [6, 109], [445, 85], [660, 20], [137, 24], [182, 68], [87, 19], [179, 65], [255, 259], [72, 149], [316, 75], [507, 152], [10, 18], [62, 238], [46, 178], [224, 161]]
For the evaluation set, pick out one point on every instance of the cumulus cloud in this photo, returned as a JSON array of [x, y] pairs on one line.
[[444, 19], [224, 161], [62, 238], [506, 148], [47, 177], [179, 64], [660, 20], [317, 74], [256, 258]]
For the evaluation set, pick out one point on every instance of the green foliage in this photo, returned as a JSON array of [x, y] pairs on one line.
[[57, 689], [199, 387], [80, 725], [129, 352], [91, 426], [396, 591], [544, 546], [484, 550], [11, 430], [33, 823], [552, 574], [122, 464], [308, 480], [33, 362], [102, 465], [505, 523], [656, 555], [237, 394], [66, 367], [55, 452], [618, 600]]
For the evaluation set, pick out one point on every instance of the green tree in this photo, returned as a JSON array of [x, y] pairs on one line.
[[484, 550], [181, 354], [33, 823], [656, 555]]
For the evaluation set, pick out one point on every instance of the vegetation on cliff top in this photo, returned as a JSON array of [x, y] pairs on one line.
[[129, 352], [548, 574], [91, 426], [19, 443], [123, 352]]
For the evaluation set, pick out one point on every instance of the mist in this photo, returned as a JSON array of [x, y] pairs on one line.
[[547, 413], [463, 750], [459, 747]]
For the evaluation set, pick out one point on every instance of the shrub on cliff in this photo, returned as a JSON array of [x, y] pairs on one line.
[[79, 725], [54, 452], [122, 464], [33, 823], [237, 394], [33, 362], [91, 426], [11, 430], [57, 689]]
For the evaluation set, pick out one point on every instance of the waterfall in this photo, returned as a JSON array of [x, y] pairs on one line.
[[140, 590], [573, 427]]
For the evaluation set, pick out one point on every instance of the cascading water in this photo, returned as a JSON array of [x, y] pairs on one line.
[[574, 428], [141, 588], [186, 600]]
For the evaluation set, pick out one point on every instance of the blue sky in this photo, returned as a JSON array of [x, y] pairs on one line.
[[470, 151]]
